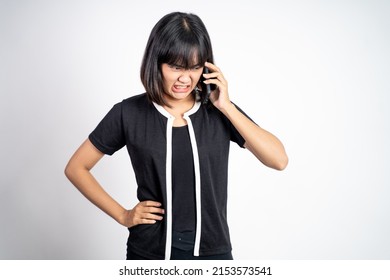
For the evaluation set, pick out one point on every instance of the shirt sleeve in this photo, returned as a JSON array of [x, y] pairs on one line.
[[108, 137], [235, 136]]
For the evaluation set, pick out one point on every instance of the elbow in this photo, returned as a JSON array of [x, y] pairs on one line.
[[282, 163], [279, 163], [68, 171], [277, 159]]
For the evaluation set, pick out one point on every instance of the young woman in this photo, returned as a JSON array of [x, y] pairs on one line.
[[178, 145]]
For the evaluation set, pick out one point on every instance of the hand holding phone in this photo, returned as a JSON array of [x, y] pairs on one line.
[[207, 88]]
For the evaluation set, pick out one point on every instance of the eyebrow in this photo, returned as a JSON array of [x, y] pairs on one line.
[[196, 65], [181, 66]]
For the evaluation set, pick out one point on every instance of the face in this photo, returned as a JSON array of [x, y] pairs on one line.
[[180, 82]]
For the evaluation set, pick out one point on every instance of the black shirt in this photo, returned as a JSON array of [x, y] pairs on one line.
[[183, 181], [146, 130]]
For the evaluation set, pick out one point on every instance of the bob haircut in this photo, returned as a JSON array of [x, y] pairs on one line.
[[178, 39]]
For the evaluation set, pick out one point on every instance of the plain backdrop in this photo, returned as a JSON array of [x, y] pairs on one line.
[[314, 73]]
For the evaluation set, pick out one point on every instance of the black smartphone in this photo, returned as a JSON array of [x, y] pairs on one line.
[[207, 88]]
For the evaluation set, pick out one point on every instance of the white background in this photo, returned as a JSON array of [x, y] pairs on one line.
[[315, 73]]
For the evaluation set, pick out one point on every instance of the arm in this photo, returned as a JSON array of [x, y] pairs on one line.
[[78, 172], [264, 145]]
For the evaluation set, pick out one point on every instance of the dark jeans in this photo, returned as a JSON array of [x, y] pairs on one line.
[[183, 248], [177, 254]]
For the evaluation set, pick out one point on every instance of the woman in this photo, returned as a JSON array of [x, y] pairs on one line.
[[178, 145]]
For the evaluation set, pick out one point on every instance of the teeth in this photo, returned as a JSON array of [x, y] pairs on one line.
[[181, 86]]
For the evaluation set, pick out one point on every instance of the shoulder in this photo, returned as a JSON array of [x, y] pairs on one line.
[[128, 107], [211, 112], [137, 103], [135, 100]]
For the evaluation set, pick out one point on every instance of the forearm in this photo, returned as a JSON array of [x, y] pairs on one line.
[[263, 144], [86, 183]]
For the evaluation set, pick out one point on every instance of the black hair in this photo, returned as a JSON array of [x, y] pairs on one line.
[[178, 39]]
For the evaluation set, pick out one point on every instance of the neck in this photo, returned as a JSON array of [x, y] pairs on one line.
[[178, 107]]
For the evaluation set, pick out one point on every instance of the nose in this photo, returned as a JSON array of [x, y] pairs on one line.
[[185, 76]]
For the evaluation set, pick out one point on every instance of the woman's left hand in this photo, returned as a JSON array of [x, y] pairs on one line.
[[220, 96]]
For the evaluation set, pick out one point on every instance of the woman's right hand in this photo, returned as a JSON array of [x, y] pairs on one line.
[[145, 212]]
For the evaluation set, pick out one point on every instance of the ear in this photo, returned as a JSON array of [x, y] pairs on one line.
[[198, 87]]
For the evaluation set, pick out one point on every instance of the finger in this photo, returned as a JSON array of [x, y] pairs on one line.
[[146, 221], [153, 210], [216, 82], [215, 75], [150, 203], [215, 71], [212, 75], [150, 216], [143, 212], [212, 67]]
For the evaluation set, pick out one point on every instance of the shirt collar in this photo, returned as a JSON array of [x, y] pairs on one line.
[[166, 114]]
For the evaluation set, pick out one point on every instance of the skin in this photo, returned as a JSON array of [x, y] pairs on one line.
[[178, 85]]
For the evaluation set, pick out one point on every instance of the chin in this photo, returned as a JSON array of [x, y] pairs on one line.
[[179, 96]]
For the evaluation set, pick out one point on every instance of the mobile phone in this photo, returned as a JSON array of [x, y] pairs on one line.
[[207, 88]]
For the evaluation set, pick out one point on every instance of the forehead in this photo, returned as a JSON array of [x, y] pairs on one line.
[[184, 55], [187, 62]]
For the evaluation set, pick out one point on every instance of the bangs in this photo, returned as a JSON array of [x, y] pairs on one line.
[[184, 52]]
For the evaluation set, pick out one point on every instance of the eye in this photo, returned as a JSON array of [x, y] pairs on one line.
[[175, 67], [197, 67]]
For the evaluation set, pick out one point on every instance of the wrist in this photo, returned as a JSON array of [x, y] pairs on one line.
[[228, 109], [122, 217]]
